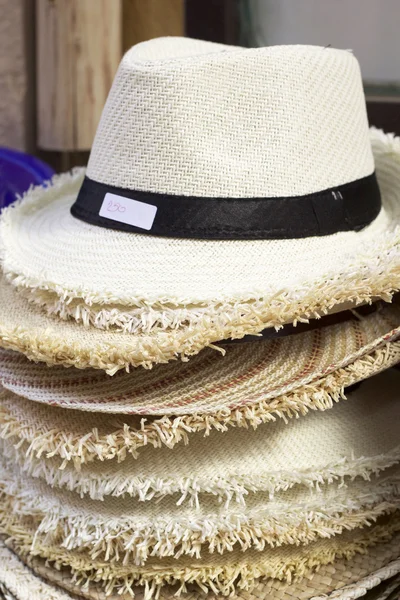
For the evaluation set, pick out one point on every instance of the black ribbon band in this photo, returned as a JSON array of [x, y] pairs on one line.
[[349, 207]]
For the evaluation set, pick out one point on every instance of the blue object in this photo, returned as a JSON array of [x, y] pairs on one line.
[[18, 171]]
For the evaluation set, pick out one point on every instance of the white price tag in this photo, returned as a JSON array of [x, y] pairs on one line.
[[125, 210]]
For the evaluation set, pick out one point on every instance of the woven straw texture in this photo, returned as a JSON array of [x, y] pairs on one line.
[[188, 123], [349, 272], [45, 339], [248, 374], [50, 584], [265, 283], [355, 438], [130, 530], [196, 138], [387, 590], [42, 582], [71, 435], [288, 570], [52, 581]]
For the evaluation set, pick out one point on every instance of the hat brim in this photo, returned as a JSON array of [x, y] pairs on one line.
[[252, 384], [249, 374], [354, 440], [338, 578], [135, 533], [23, 582], [237, 287]]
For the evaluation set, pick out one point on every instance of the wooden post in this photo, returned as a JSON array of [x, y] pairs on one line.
[[79, 47], [146, 19], [17, 97]]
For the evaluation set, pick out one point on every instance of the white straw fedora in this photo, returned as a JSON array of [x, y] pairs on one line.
[[356, 439], [228, 190]]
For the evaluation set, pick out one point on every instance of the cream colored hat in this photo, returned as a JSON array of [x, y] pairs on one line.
[[356, 439], [220, 393], [246, 379], [251, 385], [131, 532], [228, 190], [329, 564], [349, 579]]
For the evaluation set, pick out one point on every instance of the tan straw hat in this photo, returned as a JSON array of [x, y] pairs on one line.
[[319, 568], [356, 439], [249, 375], [369, 576], [252, 384], [125, 529], [73, 436], [228, 190]]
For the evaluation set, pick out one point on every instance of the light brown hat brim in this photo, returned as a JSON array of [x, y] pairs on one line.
[[354, 439], [248, 376], [342, 574]]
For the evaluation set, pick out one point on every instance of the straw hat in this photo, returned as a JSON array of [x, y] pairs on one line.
[[42, 338], [349, 579], [248, 375], [252, 384], [27, 329], [126, 529], [355, 439], [320, 567], [214, 203], [71, 435]]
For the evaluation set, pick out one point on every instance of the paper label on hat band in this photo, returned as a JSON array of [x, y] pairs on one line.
[[126, 210]]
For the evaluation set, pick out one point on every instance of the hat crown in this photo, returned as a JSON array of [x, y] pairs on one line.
[[194, 118]]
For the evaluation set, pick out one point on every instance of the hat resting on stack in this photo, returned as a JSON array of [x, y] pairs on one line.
[[232, 195]]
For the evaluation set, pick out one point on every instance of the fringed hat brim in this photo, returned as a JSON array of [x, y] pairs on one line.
[[346, 566]]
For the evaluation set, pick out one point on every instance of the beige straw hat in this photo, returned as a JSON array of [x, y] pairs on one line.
[[362, 576], [27, 329], [215, 204], [355, 439], [72, 436], [251, 385], [245, 380], [126, 529], [320, 567], [42, 582]]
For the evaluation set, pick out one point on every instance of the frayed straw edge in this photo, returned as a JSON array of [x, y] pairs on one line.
[[20, 582], [135, 540], [377, 275], [144, 320], [317, 395], [219, 321], [50, 347], [131, 546], [219, 579], [233, 488]]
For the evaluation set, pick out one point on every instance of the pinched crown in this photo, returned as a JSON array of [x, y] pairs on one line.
[[188, 117]]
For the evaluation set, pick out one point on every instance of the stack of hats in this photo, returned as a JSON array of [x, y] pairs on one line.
[[237, 215]]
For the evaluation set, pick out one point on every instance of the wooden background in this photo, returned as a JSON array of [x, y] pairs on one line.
[[57, 62], [17, 69], [58, 59]]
